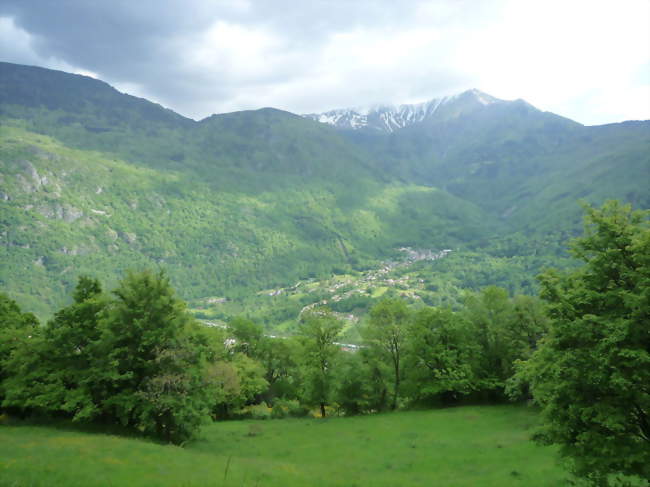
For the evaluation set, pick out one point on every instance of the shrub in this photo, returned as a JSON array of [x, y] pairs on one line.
[[283, 408]]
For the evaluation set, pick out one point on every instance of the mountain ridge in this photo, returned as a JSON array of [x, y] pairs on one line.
[[96, 181], [387, 118]]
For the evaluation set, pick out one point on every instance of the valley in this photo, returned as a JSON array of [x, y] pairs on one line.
[[329, 244], [349, 295], [420, 277], [95, 181], [169, 286]]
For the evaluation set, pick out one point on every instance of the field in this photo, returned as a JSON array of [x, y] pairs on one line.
[[463, 446]]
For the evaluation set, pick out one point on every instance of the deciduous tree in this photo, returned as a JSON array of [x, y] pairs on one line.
[[318, 331], [385, 336], [440, 354], [16, 329], [155, 360], [592, 374]]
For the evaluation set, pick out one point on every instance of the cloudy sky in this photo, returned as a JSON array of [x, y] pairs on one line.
[[587, 60]]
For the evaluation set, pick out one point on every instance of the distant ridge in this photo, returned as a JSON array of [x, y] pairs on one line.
[[388, 118]]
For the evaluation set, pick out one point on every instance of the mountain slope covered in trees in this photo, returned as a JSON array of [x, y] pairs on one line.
[[96, 181]]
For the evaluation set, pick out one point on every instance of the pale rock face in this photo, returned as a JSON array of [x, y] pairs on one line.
[[75, 250], [129, 237], [71, 214], [388, 118], [36, 179], [66, 213], [112, 234], [25, 185]]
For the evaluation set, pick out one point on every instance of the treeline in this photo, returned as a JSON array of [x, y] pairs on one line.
[[137, 358], [408, 357], [134, 358]]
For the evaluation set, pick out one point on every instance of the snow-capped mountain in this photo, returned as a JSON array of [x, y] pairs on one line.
[[388, 118]]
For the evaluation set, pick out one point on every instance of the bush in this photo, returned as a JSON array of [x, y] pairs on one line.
[[260, 411], [297, 410], [253, 411], [288, 408]]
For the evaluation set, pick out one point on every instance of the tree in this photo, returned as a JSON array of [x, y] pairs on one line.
[[385, 335], [280, 358], [155, 368], [248, 336], [489, 313], [360, 385], [318, 330], [15, 326], [51, 374], [276, 357], [592, 373], [439, 356], [377, 379], [506, 330], [235, 382], [138, 359], [529, 324], [17, 329]]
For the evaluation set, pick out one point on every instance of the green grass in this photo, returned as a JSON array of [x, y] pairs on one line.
[[464, 446]]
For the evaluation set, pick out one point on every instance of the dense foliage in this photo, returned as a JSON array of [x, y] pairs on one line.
[[137, 359], [266, 214], [15, 329], [92, 180], [592, 373]]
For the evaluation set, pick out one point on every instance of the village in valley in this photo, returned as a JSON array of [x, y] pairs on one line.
[[347, 295]]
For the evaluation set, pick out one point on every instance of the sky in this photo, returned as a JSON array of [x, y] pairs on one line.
[[585, 60]]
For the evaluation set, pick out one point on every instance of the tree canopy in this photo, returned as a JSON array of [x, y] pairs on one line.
[[318, 331], [592, 373]]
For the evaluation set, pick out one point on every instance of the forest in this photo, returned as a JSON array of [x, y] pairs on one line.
[[95, 182], [136, 358]]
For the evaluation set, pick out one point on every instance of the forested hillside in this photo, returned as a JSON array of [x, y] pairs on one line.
[[93, 181]]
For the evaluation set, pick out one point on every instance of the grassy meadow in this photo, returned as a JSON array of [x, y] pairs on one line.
[[462, 446]]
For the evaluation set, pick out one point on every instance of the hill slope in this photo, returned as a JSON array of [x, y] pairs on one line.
[[515, 161], [464, 446], [236, 202], [96, 181]]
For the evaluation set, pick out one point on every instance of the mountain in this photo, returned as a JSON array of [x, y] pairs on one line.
[[507, 157], [389, 118], [94, 181], [228, 205]]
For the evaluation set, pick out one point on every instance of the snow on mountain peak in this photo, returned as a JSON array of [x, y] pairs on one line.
[[388, 118], [482, 98]]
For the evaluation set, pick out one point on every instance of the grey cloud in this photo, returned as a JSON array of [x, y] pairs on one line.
[[156, 49], [132, 43]]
